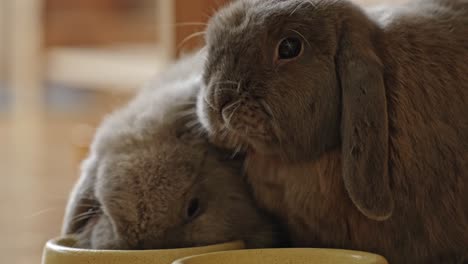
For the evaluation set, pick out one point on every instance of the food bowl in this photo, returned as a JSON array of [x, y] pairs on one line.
[[286, 255], [60, 251]]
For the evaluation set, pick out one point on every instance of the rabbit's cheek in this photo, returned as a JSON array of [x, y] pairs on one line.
[[207, 114], [103, 235], [84, 236], [92, 222]]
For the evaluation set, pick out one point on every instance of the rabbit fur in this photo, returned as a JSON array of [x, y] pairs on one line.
[[361, 140], [147, 167]]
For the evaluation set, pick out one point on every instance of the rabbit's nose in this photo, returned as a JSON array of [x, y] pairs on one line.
[[223, 99], [222, 95]]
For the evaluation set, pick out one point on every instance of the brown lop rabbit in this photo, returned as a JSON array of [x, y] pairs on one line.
[[355, 123]]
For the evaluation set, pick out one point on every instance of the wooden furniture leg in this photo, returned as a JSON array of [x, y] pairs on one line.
[[25, 80], [24, 57]]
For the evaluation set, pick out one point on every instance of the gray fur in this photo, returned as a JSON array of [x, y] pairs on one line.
[[362, 141], [147, 163]]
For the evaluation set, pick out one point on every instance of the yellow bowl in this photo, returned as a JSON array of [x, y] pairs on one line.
[[286, 255], [59, 251]]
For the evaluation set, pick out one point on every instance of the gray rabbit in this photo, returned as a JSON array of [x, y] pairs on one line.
[[153, 181], [355, 124]]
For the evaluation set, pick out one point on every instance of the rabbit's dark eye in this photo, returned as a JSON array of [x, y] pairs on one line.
[[289, 48], [193, 208]]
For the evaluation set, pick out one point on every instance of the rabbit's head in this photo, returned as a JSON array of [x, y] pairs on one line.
[[163, 188], [295, 79]]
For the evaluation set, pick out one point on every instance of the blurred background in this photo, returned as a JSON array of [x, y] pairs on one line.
[[64, 64]]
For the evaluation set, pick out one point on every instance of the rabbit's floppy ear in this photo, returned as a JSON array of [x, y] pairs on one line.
[[364, 124], [81, 198]]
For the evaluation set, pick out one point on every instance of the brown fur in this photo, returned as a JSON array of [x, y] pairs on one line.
[[147, 163], [362, 141]]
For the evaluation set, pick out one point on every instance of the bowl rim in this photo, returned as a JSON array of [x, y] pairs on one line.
[[54, 245], [343, 251]]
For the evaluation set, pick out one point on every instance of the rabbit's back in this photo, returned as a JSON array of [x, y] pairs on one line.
[[427, 93]]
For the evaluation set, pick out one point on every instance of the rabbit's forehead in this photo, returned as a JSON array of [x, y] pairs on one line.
[[254, 13], [160, 165], [171, 169], [245, 24], [145, 182]]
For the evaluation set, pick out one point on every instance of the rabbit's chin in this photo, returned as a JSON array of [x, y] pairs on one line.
[[242, 127]]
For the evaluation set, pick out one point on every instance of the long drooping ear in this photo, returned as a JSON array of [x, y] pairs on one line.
[[364, 121], [81, 199]]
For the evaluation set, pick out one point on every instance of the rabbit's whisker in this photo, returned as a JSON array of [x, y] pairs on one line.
[[41, 212], [192, 124], [205, 99], [189, 37], [226, 82], [85, 215], [200, 51], [239, 86], [245, 166], [185, 114], [200, 131], [237, 104], [300, 5], [86, 205], [237, 150], [224, 89], [83, 218], [311, 3], [182, 24]]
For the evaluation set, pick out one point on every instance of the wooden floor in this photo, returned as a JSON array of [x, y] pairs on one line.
[[38, 163], [35, 182]]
